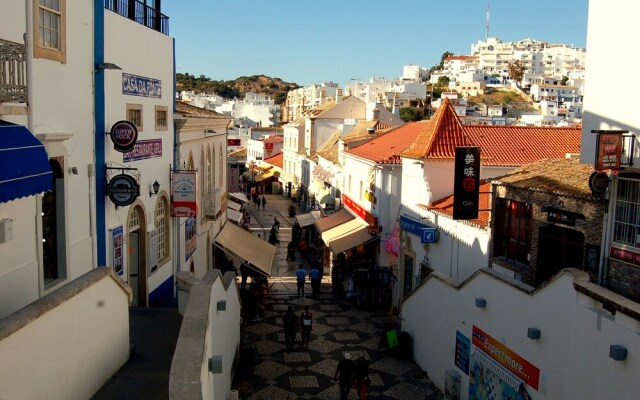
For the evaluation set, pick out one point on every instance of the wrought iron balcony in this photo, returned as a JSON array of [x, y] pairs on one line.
[[13, 72], [141, 13]]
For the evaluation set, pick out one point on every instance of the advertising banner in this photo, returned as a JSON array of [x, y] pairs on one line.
[[190, 237], [609, 151], [183, 194], [497, 372], [117, 243]]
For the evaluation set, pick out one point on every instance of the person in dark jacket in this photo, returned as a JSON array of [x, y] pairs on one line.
[[291, 327], [345, 373]]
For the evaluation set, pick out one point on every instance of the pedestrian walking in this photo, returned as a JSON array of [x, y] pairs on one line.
[[291, 327], [300, 278], [362, 377], [276, 223], [345, 374], [307, 321], [273, 236], [316, 278], [264, 202], [291, 251]]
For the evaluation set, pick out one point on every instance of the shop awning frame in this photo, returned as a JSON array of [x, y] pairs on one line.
[[243, 244], [233, 215], [241, 197], [307, 219], [24, 164], [333, 220]]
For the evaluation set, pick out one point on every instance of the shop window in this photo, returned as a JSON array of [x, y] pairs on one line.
[[162, 228], [134, 115], [49, 19], [161, 118], [626, 222], [512, 231]]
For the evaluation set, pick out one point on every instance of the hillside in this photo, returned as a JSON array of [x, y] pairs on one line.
[[275, 88], [506, 97]]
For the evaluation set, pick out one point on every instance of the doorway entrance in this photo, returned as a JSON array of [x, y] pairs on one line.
[[136, 260], [558, 248]]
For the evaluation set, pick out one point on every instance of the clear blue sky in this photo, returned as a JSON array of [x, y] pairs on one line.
[[306, 41]]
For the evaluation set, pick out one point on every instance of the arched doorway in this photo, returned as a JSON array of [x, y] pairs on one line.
[[136, 261]]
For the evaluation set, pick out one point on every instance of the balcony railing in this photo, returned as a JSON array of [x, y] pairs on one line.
[[13, 72], [141, 13]]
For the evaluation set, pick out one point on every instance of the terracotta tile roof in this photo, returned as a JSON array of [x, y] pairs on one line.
[[276, 161], [329, 150], [192, 111], [315, 111], [440, 137], [273, 139], [564, 176], [518, 145], [238, 153], [444, 206], [385, 148], [451, 58]]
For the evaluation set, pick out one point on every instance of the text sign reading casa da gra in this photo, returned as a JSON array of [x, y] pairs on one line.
[[135, 85]]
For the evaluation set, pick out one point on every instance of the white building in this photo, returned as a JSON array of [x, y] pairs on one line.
[[256, 107], [308, 97]]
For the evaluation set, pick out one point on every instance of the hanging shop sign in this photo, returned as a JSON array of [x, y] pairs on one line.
[[466, 181], [233, 142], [598, 183], [183, 194], [124, 135], [144, 149], [359, 211], [134, 85], [123, 190], [609, 151]]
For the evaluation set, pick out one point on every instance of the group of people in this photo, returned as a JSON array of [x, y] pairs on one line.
[[315, 277], [293, 325], [349, 372], [259, 200]]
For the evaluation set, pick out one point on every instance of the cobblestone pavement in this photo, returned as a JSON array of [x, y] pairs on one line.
[[339, 327]]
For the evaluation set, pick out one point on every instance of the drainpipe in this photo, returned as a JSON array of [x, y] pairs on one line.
[[603, 269]]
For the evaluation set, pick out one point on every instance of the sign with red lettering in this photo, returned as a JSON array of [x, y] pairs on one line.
[[233, 142], [609, 151], [506, 357], [359, 211], [144, 149], [627, 256], [183, 195]]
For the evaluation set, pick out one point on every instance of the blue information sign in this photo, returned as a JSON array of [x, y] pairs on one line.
[[427, 234], [463, 350]]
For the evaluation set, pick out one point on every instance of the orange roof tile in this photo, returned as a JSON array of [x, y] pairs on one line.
[[273, 139], [445, 206], [508, 145], [385, 148], [276, 161], [442, 134]]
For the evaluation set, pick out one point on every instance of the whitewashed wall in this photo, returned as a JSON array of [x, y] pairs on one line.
[[572, 353], [141, 51], [68, 344], [50, 118]]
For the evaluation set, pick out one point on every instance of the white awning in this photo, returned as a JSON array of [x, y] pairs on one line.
[[234, 206], [305, 219], [239, 196], [350, 240], [233, 215], [243, 244], [333, 220]]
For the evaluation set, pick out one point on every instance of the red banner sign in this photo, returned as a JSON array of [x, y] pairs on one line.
[[609, 151], [506, 357], [624, 255], [359, 211]]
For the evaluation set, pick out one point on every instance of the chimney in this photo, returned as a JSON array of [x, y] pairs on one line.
[[338, 95]]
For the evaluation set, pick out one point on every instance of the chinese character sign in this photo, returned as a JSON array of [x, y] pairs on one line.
[[466, 183]]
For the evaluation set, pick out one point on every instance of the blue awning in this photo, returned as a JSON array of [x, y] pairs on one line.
[[24, 164]]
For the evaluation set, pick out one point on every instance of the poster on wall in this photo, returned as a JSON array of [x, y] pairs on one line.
[[463, 349], [117, 242], [190, 237], [497, 372]]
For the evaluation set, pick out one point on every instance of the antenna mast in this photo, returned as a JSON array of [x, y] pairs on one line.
[[488, 13]]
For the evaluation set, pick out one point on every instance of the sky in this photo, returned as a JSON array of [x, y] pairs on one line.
[[310, 42]]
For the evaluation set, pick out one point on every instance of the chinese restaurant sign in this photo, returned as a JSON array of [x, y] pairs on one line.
[[135, 85], [466, 181]]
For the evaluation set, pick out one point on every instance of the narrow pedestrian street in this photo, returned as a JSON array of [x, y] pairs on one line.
[[276, 372]]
